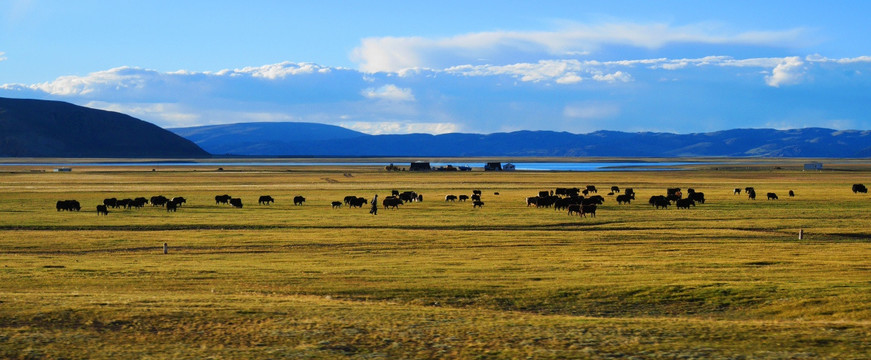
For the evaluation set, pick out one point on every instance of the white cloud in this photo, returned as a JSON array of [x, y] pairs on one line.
[[618, 76], [393, 54], [820, 58], [788, 72], [389, 92], [486, 97], [2, 56], [392, 127], [117, 79], [569, 78], [277, 71]]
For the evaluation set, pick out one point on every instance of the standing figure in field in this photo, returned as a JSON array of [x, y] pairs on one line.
[[374, 209]]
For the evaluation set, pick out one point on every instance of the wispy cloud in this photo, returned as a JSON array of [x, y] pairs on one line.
[[394, 54], [389, 92], [2, 56], [393, 127]]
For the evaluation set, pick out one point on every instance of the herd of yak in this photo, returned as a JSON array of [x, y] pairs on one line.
[[574, 200]]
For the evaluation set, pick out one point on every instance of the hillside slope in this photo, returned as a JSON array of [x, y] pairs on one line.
[[263, 138], [41, 128]]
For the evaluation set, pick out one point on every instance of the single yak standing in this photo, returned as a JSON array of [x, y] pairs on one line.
[[298, 200], [265, 200], [236, 202], [102, 210], [222, 199]]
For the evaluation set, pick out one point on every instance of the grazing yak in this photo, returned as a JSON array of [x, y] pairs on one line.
[[593, 200], [698, 197], [137, 203], [450, 197], [737, 191], [477, 203], [357, 202], [236, 202], [394, 193], [408, 196], [562, 203], [751, 194], [476, 197], [659, 201], [349, 198], [111, 202], [140, 202], [391, 202], [463, 197], [592, 188], [102, 210], [265, 200], [476, 192], [68, 205], [532, 200], [625, 198], [615, 189], [298, 200], [178, 200], [860, 188], [772, 196], [172, 206], [575, 209], [673, 194], [337, 204], [222, 199], [159, 200], [791, 193], [124, 203], [544, 194], [685, 203], [588, 209]]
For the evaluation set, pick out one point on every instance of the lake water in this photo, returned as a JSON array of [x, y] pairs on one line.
[[520, 166]]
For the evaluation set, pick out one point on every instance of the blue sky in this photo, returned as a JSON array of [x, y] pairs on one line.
[[448, 66]]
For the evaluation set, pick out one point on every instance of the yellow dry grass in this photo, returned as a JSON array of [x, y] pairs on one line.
[[726, 279]]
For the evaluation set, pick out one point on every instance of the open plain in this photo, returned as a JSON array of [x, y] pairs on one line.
[[434, 279]]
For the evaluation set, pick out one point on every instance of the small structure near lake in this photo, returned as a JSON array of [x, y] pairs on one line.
[[493, 166], [420, 166], [813, 166]]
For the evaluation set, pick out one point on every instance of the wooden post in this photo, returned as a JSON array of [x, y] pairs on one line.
[[166, 247], [800, 234]]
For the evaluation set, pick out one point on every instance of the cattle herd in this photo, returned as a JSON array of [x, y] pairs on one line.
[[575, 201]]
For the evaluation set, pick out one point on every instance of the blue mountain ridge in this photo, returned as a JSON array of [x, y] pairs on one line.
[[309, 139]]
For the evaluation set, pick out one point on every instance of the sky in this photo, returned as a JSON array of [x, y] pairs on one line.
[[385, 67]]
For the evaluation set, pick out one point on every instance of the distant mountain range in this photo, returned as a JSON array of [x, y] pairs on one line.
[[307, 139], [40, 128]]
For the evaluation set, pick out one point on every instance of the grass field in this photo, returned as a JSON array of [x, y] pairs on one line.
[[727, 279]]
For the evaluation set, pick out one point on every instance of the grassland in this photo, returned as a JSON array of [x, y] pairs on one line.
[[727, 279]]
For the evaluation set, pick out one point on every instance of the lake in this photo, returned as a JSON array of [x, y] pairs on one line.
[[477, 166]]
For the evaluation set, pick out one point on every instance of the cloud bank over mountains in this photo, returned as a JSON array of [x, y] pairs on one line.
[[569, 79]]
